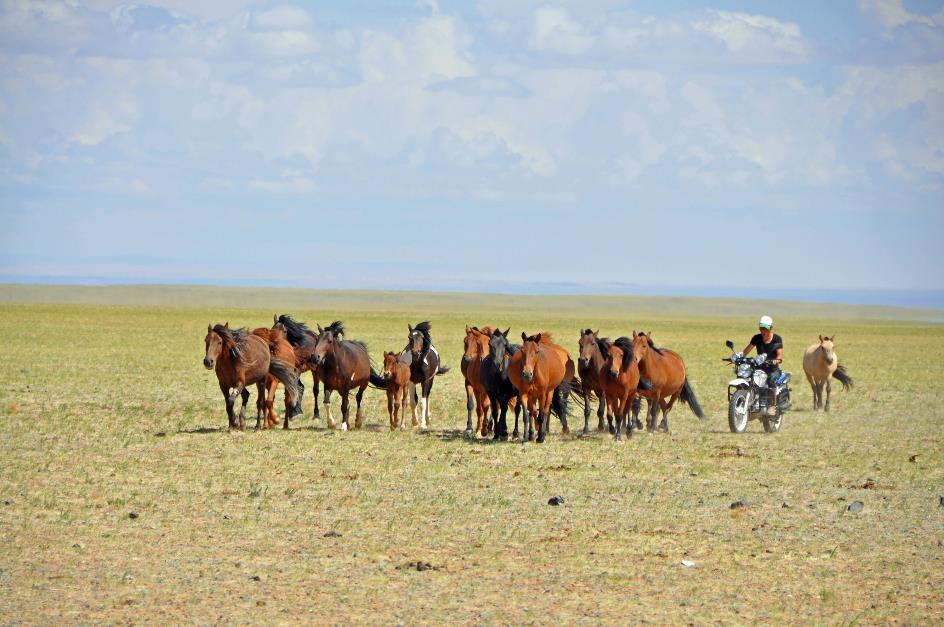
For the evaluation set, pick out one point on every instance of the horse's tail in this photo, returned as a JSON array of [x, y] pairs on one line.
[[843, 377], [442, 370], [575, 385], [377, 381], [287, 376], [559, 403], [688, 396]]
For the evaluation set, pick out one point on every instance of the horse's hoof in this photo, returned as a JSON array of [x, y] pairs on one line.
[[343, 426]]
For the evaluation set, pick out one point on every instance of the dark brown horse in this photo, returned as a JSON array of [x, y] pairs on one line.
[[666, 373], [281, 349], [476, 348], [542, 372], [303, 341], [493, 374], [620, 382], [423, 359], [240, 360], [396, 373], [343, 365], [590, 367]]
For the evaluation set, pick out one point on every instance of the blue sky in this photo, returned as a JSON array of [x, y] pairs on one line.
[[692, 144]]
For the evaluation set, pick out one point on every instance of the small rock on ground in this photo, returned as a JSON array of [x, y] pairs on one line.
[[740, 504], [855, 506], [555, 500]]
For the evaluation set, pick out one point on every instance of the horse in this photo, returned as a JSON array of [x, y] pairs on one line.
[[476, 348], [620, 382], [396, 373], [543, 373], [343, 365], [666, 373], [241, 359], [279, 348], [590, 369], [820, 363], [423, 359], [303, 342], [493, 373]]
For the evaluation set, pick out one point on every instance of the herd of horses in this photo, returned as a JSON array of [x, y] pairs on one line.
[[536, 377]]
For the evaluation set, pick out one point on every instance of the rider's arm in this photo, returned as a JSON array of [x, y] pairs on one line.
[[779, 358], [748, 349]]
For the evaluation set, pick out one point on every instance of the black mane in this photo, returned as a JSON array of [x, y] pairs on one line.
[[603, 345], [234, 339], [297, 332], [651, 345], [423, 328], [626, 345], [336, 327]]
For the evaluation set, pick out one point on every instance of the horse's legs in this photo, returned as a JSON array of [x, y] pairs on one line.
[[586, 410], [244, 393], [526, 418], [666, 408], [314, 395], [813, 388], [412, 390], [230, 401], [503, 422], [619, 412], [359, 417], [297, 409], [601, 412], [545, 416], [427, 387], [493, 410], [390, 407], [652, 413], [469, 406], [829, 388], [260, 404], [637, 405], [327, 404], [345, 406]]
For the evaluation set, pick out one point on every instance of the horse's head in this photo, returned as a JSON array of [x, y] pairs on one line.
[[827, 344], [642, 342], [499, 348], [390, 365], [278, 332], [530, 350], [472, 343], [415, 339], [619, 356], [588, 345], [327, 338], [214, 346]]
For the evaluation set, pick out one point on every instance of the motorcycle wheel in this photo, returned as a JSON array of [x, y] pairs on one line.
[[738, 410], [772, 423]]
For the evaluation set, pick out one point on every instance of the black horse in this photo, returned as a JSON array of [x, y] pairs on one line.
[[493, 373], [423, 359]]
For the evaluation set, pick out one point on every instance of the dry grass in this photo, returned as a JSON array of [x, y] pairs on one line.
[[107, 410]]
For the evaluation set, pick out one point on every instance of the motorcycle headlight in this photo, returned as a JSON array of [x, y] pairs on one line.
[[760, 378], [744, 371], [760, 359]]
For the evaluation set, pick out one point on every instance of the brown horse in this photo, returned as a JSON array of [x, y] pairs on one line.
[[476, 349], [590, 367], [820, 363], [279, 348], [303, 341], [665, 370], [397, 375], [542, 372], [620, 382], [240, 360], [343, 365]]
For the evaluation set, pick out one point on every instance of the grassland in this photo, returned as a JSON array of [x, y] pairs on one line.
[[106, 410]]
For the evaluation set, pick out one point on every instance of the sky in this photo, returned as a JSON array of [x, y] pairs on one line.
[[411, 144]]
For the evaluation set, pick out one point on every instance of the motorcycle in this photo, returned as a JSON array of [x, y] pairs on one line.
[[751, 393]]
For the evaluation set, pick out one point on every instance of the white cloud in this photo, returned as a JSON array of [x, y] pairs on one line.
[[893, 14], [104, 120], [555, 30], [282, 17], [755, 37]]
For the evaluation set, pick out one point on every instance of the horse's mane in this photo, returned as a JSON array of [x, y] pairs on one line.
[[651, 345], [336, 327], [423, 328], [234, 340], [604, 346], [626, 345], [546, 337], [297, 331]]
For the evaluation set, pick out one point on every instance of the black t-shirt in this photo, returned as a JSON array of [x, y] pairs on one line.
[[767, 349]]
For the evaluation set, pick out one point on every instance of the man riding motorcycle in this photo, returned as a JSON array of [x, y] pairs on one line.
[[770, 344]]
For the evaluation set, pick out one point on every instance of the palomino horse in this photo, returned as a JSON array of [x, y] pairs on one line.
[[820, 363], [281, 349], [476, 348], [242, 359], [665, 371], [542, 372], [494, 377], [423, 359], [396, 374], [343, 365], [620, 382], [303, 341], [590, 368]]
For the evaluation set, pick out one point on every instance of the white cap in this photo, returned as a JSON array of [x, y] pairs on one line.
[[766, 322]]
